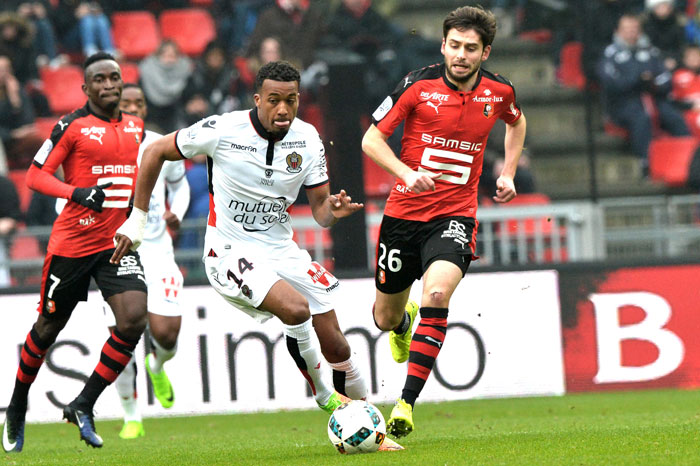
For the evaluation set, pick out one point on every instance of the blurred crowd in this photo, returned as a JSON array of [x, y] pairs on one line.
[[182, 86], [642, 55]]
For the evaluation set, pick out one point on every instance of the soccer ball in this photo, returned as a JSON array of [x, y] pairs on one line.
[[356, 427]]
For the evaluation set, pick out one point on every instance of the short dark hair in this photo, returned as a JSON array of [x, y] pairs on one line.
[[97, 57], [277, 71], [132, 86], [483, 22]]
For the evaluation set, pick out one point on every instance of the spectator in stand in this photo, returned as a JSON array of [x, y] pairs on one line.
[[212, 87], [16, 40], [630, 70], [599, 21], [270, 50], [236, 20], [10, 214], [297, 23], [686, 87], [36, 12], [665, 29], [83, 26], [17, 130], [358, 27], [164, 76]]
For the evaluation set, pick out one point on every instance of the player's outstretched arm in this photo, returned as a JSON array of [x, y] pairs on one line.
[[375, 146], [130, 234], [328, 208], [514, 140]]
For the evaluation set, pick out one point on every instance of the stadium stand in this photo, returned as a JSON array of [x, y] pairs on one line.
[[191, 29], [136, 33], [63, 88], [25, 194], [670, 157], [130, 72], [570, 72]]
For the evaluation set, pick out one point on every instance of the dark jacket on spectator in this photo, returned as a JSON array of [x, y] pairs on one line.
[[299, 33]]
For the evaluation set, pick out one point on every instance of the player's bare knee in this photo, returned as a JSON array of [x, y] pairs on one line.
[[387, 320], [436, 298], [338, 350], [48, 329], [295, 312], [167, 340], [133, 325]]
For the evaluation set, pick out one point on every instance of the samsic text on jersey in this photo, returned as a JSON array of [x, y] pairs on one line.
[[445, 132], [93, 151]]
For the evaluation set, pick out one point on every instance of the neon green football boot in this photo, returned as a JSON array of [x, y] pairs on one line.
[[132, 430], [333, 402], [400, 343], [162, 388], [400, 422]]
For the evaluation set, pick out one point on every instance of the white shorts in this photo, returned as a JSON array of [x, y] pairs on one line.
[[244, 277], [164, 281]]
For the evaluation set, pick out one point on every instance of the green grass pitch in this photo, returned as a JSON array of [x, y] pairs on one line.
[[642, 427]]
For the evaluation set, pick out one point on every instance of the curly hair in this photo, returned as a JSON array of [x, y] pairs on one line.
[[277, 71]]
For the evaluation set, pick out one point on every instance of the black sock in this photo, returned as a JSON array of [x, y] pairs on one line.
[[92, 390], [403, 325]]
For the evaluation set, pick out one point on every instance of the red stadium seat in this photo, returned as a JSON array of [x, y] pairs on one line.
[[670, 157], [63, 88], [130, 72], [191, 29], [25, 247], [378, 182], [45, 125], [135, 33], [545, 224], [570, 72]]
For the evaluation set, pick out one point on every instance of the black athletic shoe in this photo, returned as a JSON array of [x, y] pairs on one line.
[[85, 422], [13, 430]]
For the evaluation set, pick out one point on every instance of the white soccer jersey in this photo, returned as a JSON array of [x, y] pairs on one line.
[[253, 179], [172, 172]]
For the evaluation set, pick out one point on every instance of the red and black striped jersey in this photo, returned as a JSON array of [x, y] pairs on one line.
[[445, 132], [92, 150]]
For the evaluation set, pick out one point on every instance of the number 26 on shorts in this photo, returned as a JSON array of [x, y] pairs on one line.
[[393, 260]]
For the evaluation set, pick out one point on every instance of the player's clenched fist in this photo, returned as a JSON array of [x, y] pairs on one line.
[[92, 197], [130, 235], [419, 182]]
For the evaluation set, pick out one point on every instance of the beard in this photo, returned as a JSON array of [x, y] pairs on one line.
[[461, 79]]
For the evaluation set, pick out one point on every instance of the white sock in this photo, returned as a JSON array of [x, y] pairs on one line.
[[160, 356], [348, 379], [126, 388], [306, 352]]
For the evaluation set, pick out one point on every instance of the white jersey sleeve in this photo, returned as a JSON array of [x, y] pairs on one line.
[[174, 170], [318, 175], [200, 138]]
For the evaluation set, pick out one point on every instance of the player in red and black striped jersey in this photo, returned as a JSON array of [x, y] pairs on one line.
[[429, 224], [97, 146]]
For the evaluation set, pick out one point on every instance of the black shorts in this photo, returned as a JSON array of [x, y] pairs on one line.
[[65, 280], [406, 248]]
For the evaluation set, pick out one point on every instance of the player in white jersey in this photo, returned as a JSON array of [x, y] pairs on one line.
[[163, 276], [258, 160]]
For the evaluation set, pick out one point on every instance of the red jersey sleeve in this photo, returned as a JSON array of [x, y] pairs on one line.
[[47, 160], [396, 107], [511, 110]]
